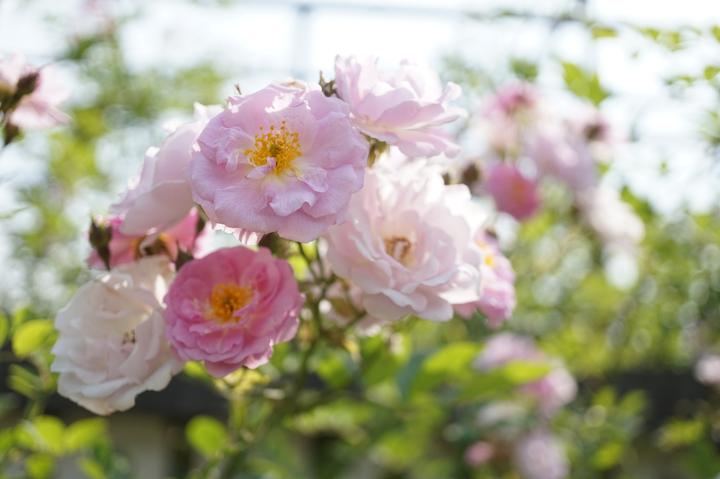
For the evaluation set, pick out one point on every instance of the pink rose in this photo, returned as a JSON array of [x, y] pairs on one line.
[[513, 193], [405, 108], [613, 220], [283, 159], [564, 154], [540, 455], [552, 391], [111, 342], [407, 245], [498, 290], [161, 196], [707, 369], [479, 453], [229, 308], [126, 248], [39, 108]]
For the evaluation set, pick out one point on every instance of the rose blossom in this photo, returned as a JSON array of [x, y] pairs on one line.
[[405, 108], [111, 344], [161, 196], [540, 455], [407, 244], [479, 453], [560, 151], [229, 308], [512, 191], [38, 108], [552, 391], [126, 248], [498, 291], [613, 220], [283, 159], [707, 369]]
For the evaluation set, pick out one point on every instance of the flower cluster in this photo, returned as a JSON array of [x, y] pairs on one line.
[[527, 142], [289, 164], [536, 452]]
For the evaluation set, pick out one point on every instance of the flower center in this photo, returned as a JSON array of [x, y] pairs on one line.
[[399, 248], [489, 257], [280, 144], [226, 300]]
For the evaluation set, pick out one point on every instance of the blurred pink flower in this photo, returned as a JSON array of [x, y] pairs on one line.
[[229, 308], [111, 344], [407, 244], [497, 301], [161, 196], [39, 108], [707, 369], [479, 453], [128, 248], [564, 154], [513, 193], [554, 390], [540, 455], [283, 159], [613, 220], [405, 108], [512, 99]]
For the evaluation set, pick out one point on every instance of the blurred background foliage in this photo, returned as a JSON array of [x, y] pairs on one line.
[[404, 403]]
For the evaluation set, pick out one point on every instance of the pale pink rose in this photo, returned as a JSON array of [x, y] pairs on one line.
[[229, 308], [111, 342], [512, 191], [38, 108], [554, 390], [479, 453], [707, 369], [512, 99], [613, 220], [509, 116], [498, 284], [407, 245], [128, 248], [161, 196], [284, 159], [565, 154], [406, 108], [540, 455]]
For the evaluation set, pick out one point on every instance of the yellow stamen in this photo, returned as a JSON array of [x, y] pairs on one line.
[[226, 300], [488, 252], [399, 248], [278, 143]]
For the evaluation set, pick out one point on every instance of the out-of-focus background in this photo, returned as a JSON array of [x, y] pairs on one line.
[[631, 326]]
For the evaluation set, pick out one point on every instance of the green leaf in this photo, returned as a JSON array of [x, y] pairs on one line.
[[91, 468], [31, 336], [679, 433], [44, 434], [449, 364], [206, 435], [524, 69], [583, 83], [710, 72], [608, 455], [40, 466], [603, 31], [85, 433], [4, 329]]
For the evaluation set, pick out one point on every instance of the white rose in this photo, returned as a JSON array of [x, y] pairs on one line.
[[111, 344]]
